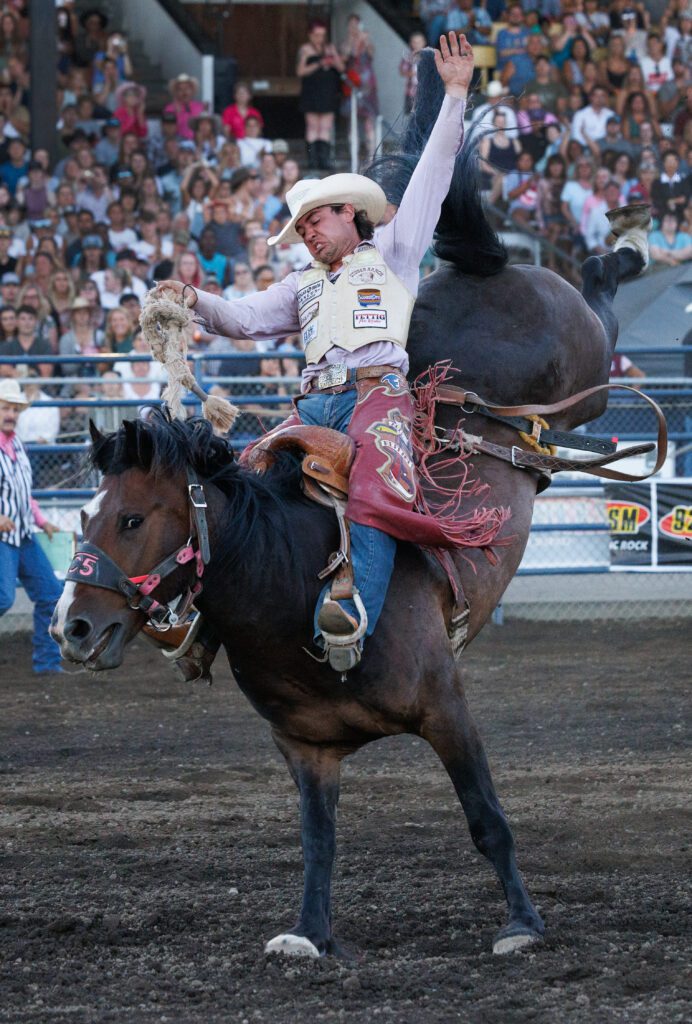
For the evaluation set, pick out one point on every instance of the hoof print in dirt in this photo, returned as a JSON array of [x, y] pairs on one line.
[[291, 945]]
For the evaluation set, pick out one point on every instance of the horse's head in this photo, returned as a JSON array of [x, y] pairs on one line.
[[122, 575]]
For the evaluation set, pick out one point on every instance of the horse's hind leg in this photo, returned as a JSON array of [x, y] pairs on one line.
[[315, 772], [451, 731]]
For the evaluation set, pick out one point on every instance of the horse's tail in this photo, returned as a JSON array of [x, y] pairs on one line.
[[463, 236]]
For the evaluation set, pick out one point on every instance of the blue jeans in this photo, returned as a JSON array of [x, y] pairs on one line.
[[28, 563], [372, 551]]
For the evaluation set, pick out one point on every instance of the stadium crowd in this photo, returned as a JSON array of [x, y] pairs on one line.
[[590, 107]]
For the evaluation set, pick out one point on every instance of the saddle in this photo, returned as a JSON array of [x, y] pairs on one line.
[[327, 459]]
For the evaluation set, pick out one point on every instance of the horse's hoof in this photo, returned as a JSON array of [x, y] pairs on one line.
[[291, 945], [513, 938]]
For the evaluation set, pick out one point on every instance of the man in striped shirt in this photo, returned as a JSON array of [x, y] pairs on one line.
[[20, 556]]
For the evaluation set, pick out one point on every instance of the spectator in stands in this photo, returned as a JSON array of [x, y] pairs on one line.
[[20, 556], [37, 424], [94, 194], [9, 289], [253, 144], [521, 190], [669, 245], [129, 110], [672, 190], [545, 84], [319, 69], [28, 341], [357, 54], [495, 96], [183, 90], [622, 366], [549, 216], [61, 294], [408, 68], [16, 166], [434, 16], [8, 324], [30, 295], [234, 116], [656, 67], [119, 333], [188, 269], [596, 226], [81, 339], [242, 282], [513, 60], [498, 155], [590, 123], [210, 260]]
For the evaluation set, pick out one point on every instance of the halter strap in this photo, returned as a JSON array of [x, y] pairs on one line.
[[92, 566]]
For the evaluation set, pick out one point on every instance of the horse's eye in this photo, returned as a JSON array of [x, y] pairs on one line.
[[132, 522]]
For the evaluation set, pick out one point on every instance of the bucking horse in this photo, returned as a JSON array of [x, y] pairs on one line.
[[176, 516]]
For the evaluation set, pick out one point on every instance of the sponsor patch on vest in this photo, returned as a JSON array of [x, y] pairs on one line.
[[367, 275], [310, 333], [369, 297], [370, 318], [309, 292], [309, 314]]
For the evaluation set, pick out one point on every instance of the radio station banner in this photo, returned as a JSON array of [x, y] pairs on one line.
[[650, 524]]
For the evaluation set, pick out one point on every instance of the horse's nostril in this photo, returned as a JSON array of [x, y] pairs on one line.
[[77, 629]]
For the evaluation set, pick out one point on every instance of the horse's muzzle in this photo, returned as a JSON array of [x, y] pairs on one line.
[[84, 644]]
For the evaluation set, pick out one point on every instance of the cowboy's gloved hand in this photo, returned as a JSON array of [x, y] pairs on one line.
[[454, 63], [164, 288]]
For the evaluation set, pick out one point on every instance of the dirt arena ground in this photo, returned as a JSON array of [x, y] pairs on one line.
[[149, 846]]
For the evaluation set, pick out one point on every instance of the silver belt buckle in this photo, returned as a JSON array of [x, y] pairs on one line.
[[336, 374]]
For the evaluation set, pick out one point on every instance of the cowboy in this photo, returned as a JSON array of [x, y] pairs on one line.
[[20, 556], [353, 306]]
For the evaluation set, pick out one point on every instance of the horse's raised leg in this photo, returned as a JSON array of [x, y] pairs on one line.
[[452, 733], [316, 773]]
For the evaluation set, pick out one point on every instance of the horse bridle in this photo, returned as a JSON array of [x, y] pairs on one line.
[[93, 567]]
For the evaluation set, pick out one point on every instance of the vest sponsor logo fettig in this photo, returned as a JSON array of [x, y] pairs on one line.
[[309, 292], [309, 314], [367, 275], [369, 296], [627, 516], [376, 318]]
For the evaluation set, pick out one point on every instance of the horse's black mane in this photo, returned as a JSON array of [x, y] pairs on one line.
[[164, 446], [464, 235], [161, 444]]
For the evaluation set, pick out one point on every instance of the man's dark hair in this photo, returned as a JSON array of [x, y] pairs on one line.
[[364, 226], [28, 309], [260, 270]]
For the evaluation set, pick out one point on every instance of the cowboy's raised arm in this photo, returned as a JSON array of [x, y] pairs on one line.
[[404, 240], [262, 316]]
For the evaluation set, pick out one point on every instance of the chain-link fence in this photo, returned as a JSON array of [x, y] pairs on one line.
[[568, 569]]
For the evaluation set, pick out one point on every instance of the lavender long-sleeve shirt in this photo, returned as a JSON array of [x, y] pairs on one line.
[[402, 243]]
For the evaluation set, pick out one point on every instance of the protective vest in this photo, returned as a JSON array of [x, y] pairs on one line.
[[366, 303]]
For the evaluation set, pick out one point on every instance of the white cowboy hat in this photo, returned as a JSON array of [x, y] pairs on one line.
[[495, 89], [183, 77], [309, 193], [11, 392]]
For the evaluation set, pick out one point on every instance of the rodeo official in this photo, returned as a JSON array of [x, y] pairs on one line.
[[353, 306], [20, 556]]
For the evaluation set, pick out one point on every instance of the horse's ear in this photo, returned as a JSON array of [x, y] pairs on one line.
[[131, 441], [95, 434]]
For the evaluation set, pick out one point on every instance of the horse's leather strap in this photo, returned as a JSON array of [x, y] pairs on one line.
[[449, 394], [546, 435]]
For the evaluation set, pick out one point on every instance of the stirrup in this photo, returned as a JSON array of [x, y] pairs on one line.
[[344, 652]]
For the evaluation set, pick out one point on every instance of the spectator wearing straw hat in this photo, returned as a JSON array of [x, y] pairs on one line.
[[20, 556], [183, 89]]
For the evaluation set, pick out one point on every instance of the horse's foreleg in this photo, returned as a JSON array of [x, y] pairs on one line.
[[452, 733], [315, 772]]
